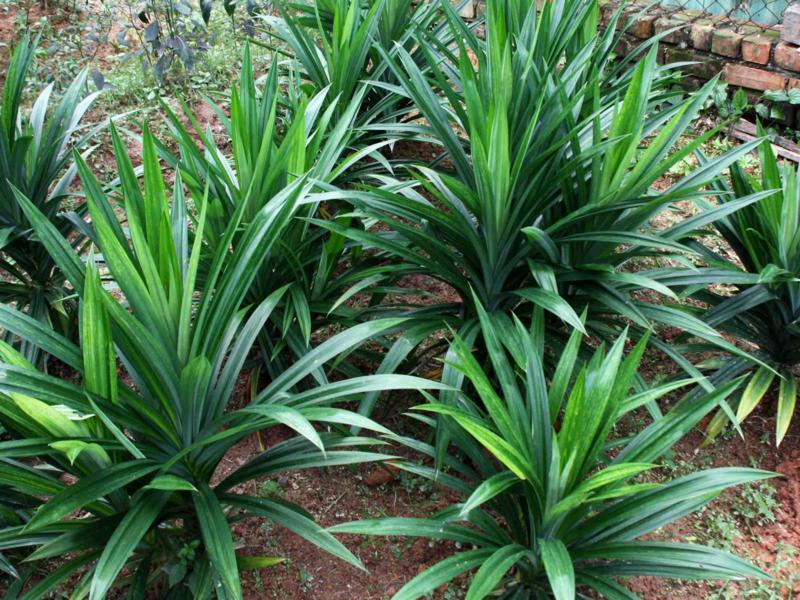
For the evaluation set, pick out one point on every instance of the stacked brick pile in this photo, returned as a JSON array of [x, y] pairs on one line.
[[749, 56]]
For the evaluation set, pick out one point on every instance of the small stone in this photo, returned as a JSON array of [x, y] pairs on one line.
[[379, 475], [468, 10], [623, 46]]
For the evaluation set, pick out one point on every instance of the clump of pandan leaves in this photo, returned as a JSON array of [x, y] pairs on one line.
[[553, 500], [144, 511], [36, 149]]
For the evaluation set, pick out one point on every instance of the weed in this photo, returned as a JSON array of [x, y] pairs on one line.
[[270, 489], [756, 503], [306, 580]]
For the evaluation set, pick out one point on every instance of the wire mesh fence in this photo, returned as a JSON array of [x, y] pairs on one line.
[[759, 13]]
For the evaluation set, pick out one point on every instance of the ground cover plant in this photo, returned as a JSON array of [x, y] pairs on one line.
[[405, 274]]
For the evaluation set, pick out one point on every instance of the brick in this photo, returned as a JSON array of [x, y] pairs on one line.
[[678, 37], [607, 12], [705, 67], [644, 27], [793, 83], [752, 78], [790, 28], [623, 46], [700, 36], [726, 43], [756, 49], [787, 56]]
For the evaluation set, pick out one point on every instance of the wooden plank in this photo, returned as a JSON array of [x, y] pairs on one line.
[[791, 149], [743, 133]]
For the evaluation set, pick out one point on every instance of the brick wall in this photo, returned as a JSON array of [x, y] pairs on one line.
[[754, 58], [751, 57]]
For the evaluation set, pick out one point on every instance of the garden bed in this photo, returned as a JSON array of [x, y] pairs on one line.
[[759, 521]]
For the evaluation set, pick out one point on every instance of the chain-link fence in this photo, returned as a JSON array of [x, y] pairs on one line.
[[762, 13]]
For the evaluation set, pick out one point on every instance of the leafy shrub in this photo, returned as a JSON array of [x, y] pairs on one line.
[[550, 196], [35, 156], [149, 508], [555, 498], [278, 137], [341, 46], [763, 312]]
